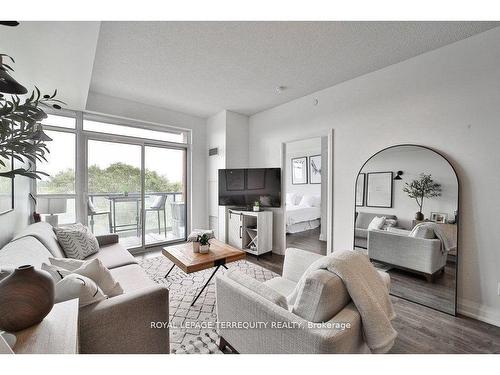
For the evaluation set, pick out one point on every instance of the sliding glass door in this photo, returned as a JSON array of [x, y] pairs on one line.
[[136, 190], [115, 190], [165, 192]]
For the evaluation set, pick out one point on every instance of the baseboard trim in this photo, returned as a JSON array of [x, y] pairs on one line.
[[479, 312]]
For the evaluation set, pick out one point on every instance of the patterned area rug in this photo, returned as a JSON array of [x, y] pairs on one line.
[[189, 332]]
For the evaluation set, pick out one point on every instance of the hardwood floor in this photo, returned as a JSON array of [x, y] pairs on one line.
[[420, 329], [438, 294], [307, 240], [423, 330]]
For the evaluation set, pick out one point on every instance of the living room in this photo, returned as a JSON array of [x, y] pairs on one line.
[[233, 187]]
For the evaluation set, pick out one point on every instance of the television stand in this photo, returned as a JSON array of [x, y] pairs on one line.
[[250, 231]]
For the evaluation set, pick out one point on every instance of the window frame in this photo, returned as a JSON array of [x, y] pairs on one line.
[[81, 138]]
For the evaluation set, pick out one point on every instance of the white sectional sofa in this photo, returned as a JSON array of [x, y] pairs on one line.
[[120, 324]]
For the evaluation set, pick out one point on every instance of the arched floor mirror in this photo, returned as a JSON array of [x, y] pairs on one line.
[[406, 221]]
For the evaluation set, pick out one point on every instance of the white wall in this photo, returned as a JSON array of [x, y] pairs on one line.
[[13, 221], [413, 161], [216, 137], [138, 111], [228, 131], [446, 99]]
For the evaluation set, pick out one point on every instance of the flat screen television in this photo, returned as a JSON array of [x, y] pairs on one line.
[[243, 187]]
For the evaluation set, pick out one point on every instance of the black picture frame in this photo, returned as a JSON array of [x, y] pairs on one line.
[[309, 168], [305, 161], [390, 177]]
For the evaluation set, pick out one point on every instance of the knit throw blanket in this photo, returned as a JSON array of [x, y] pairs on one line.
[[438, 232], [367, 291]]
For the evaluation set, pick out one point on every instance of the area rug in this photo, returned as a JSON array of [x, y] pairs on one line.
[[189, 334]]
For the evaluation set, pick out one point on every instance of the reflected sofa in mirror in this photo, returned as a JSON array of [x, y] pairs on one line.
[[414, 240]]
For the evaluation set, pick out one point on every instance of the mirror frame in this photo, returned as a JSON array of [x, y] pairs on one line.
[[457, 218]]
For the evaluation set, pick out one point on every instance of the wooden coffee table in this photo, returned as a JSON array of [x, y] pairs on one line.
[[218, 256]]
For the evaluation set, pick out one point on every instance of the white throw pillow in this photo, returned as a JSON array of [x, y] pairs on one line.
[[77, 241], [423, 231], [57, 273], [95, 270], [78, 286], [307, 201], [389, 223], [67, 263], [316, 201], [376, 223]]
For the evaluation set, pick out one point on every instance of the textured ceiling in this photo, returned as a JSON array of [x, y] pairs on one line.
[[53, 55], [204, 67]]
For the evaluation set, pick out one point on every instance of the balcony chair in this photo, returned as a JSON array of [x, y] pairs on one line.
[[159, 204], [92, 211]]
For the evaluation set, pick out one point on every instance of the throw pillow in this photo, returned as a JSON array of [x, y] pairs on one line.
[[95, 270], [423, 231], [307, 201], [57, 273], [78, 286], [376, 223], [4, 272], [66, 263], [77, 241], [389, 223]]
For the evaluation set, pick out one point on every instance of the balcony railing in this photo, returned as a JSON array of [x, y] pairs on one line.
[[121, 213]]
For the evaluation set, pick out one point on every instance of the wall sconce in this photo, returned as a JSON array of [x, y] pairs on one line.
[[398, 175]]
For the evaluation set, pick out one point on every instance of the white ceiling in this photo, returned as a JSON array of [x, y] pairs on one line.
[[204, 67], [53, 55]]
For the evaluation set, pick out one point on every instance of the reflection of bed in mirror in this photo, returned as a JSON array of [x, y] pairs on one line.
[[415, 238]]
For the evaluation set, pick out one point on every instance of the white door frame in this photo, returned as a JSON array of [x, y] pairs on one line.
[[329, 198]]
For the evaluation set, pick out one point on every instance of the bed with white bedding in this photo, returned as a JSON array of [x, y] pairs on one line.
[[299, 219], [303, 216]]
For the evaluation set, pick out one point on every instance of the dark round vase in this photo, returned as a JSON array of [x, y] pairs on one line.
[[26, 297], [419, 216]]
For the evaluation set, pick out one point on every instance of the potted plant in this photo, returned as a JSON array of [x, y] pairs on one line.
[[204, 244], [423, 187], [256, 206]]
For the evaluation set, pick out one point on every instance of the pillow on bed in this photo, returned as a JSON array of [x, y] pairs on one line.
[[307, 201], [316, 201], [291, 199]]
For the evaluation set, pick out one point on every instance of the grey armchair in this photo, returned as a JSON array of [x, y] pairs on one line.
[[236, 302]]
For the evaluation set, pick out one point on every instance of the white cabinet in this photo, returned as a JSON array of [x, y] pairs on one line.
[[250, 231]]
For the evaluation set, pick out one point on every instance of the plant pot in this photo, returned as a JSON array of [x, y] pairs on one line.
[[204, 249], [419, 216], [196, 247], [256, 208], [26, 297]]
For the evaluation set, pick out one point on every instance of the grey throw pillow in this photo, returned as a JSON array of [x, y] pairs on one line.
[[77, 241]]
